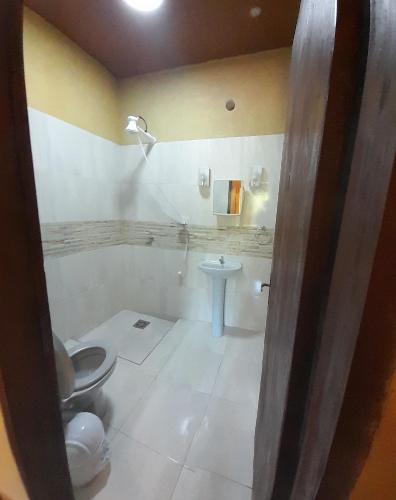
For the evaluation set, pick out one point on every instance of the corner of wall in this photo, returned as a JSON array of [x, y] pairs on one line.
[[65, 82]]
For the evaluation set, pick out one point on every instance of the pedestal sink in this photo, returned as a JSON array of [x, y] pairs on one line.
[[220, 270]]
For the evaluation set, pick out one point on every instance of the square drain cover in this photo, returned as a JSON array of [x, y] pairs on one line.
[[141, 324]]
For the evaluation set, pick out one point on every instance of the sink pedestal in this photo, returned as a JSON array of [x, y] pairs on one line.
[[219, 285], [219, 270]]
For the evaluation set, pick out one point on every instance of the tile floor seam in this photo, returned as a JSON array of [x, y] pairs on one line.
[[170, 383], [207, 406], [155, 378], [136, 405], [212, 398], [189, 448], [218, 371], [151, 449], [118, 428], [187, 336], [191, 468], [239, 403], [182, 463], [197, 429], [217, 474], [206, 409], [177, 483], [170, 355], [178, 462], [167, 360], [161, 455]]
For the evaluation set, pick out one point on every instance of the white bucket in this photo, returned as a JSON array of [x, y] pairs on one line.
[[87, 448]]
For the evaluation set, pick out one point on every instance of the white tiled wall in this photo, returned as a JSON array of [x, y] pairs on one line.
[[85, 289], [172, 174], [82, 177], [75, 172], [153, 286]]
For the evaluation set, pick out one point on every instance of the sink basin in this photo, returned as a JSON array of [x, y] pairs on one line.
[[218, 270]]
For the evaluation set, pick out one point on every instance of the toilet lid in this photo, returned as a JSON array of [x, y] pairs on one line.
[[64, 369]]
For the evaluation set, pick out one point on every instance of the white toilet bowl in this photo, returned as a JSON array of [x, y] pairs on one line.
[[93, 363], [82, 371]]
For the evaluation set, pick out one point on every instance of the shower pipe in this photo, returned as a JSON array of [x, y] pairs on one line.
[[182, 220]]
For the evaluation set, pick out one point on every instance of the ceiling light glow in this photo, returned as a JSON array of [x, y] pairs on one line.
[[145, 5]]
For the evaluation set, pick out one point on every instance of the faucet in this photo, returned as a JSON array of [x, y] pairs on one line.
[[221, 260]]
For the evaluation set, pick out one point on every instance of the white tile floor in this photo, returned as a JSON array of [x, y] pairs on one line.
[[181, 425], [132, 344]]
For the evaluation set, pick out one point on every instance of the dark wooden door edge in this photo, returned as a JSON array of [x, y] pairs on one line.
[[373, 366], [28, 387], [342, 114], [371, 170], [323, 109]]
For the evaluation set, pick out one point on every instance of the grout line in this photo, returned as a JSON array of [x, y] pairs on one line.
[[242, 404], [178, 346], [151, 449], [136, 405], [206, 409], [218, 370], [177, 483], [192, 468], [210, 398], [150, 352], [155, 378], [190, 446]]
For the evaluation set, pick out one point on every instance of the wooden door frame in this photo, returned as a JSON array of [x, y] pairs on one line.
[[328, 65], [301, 457], [28, 386], [370, 179]]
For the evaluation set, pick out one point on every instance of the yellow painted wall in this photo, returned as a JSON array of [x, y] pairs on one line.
[[64, 81], [11, 486], [189, 102], [377, 480], [178, 104]]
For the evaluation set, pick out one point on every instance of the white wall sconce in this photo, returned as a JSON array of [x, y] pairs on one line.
[[258, 178], [204, 177]]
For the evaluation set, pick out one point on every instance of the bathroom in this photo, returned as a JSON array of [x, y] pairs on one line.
[[127, 219]]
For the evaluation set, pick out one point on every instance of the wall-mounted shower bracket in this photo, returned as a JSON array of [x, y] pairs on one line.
[[134, 128]]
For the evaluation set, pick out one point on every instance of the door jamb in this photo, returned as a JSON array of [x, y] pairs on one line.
[[28, 384]]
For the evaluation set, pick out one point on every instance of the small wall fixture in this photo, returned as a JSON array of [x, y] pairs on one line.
[[258, 177], [134, 128], [204, 177], [230, 105]]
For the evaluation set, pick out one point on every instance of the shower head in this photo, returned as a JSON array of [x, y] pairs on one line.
[[133, 128]]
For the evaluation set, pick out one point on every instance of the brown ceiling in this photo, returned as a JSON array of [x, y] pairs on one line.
[[181, 32]]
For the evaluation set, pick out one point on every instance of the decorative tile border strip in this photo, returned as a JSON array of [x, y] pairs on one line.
[[72, 237], [228, 240]]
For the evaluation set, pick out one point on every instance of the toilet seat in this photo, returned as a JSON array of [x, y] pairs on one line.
[[92, 361], [81, 373]]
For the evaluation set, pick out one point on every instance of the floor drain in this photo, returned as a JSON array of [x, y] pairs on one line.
[[141, 324]]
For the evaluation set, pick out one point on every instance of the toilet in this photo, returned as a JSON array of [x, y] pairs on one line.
[[82, 371]]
